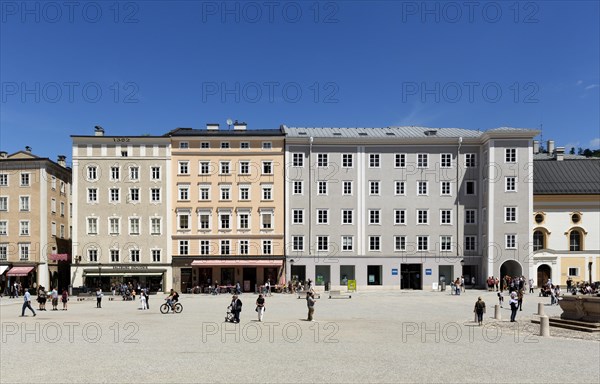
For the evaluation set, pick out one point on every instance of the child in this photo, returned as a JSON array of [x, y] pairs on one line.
[[500, 299]]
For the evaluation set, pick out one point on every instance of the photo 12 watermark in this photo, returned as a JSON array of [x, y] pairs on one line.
[[470, 92], [454, 332], [69, 331], [270, 332], [71, 12], [270, 12], [53, 92], [470, 12], [271, 92]]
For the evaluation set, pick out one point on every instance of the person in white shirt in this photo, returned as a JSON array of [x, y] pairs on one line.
[[27, 302]]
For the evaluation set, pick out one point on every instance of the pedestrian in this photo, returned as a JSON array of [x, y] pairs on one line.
[[310, 302], [553, 295], [27, 303], [236, 308], [143, 300], [99, 296], [54, 297], [64, 299], [479, 310], [268, 287], [530, 285], [497, 283], [520, 298], [513, 302], [260, 307], [462, 284], [556, 294], [114, 289], [457, 286], [133, 294], [16, 286], [147, 294], [500, 299], [41, 298]]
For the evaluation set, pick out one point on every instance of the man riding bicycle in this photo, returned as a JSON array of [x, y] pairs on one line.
[[173, 298]]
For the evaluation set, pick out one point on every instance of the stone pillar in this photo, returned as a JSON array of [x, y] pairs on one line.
[[544, 326], [497, 313], [540, 311]]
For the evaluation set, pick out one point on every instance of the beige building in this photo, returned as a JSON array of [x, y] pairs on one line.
[[35, 198], [228, 206], [121, 225]]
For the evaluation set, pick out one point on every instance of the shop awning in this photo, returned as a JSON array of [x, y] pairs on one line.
[[237, 263], [124, 273], [58, 257], [3, 268], [19, 271]]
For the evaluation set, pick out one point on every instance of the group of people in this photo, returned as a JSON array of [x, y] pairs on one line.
[[457, 286], [42, 298]]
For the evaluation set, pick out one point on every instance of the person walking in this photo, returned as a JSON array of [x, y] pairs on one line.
[[520, 298], [310, 302], [462, 284], [500, 299], [99, 296], [268, 287], [64, 299], [457, 286], [54, 297], [27, 303], [236, 308], [41, 298], [553, 295], [513, 302], [260, 306], [143, 300], [497, 283], [479, 310], [530, 285], [147, 294]]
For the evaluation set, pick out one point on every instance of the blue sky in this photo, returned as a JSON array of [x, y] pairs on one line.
[[147, 67]]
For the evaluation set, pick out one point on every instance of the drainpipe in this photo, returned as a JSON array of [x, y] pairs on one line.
[[460, 139], [310, 196]]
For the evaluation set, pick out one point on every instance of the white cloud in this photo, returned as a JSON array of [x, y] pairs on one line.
[[592, 86], [595, 143], [579, 82]]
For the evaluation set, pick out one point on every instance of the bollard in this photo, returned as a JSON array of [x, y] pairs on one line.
[[540, 309], [497, 313], [544, 326]]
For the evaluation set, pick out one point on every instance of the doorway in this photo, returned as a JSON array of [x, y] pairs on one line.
[[299, 273], [374, 275], [227, 276], [249, 279], [411, 276], [544, 273]]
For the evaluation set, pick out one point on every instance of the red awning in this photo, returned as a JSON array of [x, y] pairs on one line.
[[19, 271], [58, 257], [237, 262]]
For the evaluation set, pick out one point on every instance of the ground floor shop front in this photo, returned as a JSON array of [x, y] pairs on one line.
[[89, 278], [197, 275]]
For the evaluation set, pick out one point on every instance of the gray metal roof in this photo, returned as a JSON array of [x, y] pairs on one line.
[[547, 156], [576, 177], [221, 132], [388, 132]]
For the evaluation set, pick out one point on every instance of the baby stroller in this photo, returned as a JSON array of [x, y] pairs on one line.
[[229, 315]]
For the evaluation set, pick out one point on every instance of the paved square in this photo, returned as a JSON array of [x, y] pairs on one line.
[[374, 337]]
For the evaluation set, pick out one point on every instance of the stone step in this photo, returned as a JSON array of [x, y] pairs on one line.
[[582, 327], [574, 322]]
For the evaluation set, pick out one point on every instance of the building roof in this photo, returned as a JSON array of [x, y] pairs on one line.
[[394, 131], [184, 132], [548, 156], [567, 177]]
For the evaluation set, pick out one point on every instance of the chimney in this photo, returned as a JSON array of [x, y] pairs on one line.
[[550, 147], [239, 126], [536, 147], [212, 127], [62, 161], [560, 153], [99, 131], [28, 149], [3, 154]]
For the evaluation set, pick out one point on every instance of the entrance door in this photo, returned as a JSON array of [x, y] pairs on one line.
[[411, 276], [227, 276], [249, 278], [544, 272], [299, 272]]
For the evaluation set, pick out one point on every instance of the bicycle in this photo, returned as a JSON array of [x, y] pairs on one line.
[[176, 307]]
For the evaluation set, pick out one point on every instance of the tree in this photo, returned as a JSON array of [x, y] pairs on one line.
[[572, 151], [579, 151]]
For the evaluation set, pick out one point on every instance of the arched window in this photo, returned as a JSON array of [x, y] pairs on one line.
[[575, 241], [538, 240]]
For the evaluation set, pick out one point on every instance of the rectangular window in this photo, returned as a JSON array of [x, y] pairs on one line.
[[322, 216], [24, 228], [470, 188], [92, 173], [225, 247], [298, 216], [400, 243], [53, 183], [297, 243], [134, 173], [62, 208], [156, 255], [225, 193], [347, 188], [205, 193], [510, 241], [224, 145], [184, 192], [184, 167], [422, 188], [93, 255], [323, 243], [4, 228], [205, 167], [374, 160], [347, 243], [267, 145], [422, 216], [322, 160], [53, 205], [244, 247], [184, 221], [244, 167], [53, 229], [224, 168], [204, 247], [422, 160], [3, 180], [184, 247], [297, 187], [470, 216], [510, 155], [114, 195], [3, 203], [470, 243], [155, 173], [298, 160], [510, 214], [347, 216], [3, 252], [244, 221], [155, 195], [244, 145], [470, 160], [267, 192], [114, 225], [124, 153], [445, 243], [510, 184], [267, 167], [445, 188], [446, 217], [204, 220], [446, 160], [374, 243], [374, 188], [134, 226], [322, 188], [422, 243], [62, 231], [224, 221], [574, 272], [115, 173], [155, 226], [92, 226], [374, 216], [24, 203], [25, 180], [244, 193], [134, 195], [184, 145], [205, 145], [114, 255], [400, 160], [399, 188], [347, 160], [399, 216], [267, 247]]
